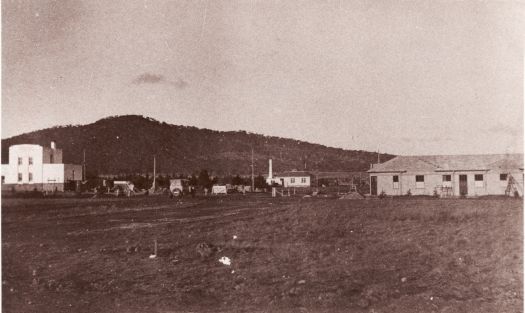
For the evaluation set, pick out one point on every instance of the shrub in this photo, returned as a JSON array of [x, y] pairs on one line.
[[409, 193], [382, 194]]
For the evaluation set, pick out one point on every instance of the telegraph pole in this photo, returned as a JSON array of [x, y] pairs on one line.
[[253, 180], [154, 172], [84, 166]]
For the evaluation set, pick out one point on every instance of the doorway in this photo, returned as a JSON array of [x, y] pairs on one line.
[[463, 185], [373, 185]]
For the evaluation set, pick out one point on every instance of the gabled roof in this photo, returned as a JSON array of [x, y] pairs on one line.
[[429, 163]]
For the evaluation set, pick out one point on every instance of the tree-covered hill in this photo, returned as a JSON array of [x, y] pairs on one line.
[[127, 144]]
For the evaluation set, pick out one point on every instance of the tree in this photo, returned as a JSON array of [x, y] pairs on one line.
[[193, 180], [237, 180], [260, 182], [204, 179]]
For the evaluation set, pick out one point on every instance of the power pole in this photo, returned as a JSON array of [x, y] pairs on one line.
[[84, 166], [154, 172], [253, 180]]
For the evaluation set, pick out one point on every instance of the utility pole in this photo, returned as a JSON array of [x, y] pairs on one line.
[[154, 172], [84, 166], [253, 180], [305, 162]]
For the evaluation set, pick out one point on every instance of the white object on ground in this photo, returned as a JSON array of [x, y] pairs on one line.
[[234, 237], [225, 260], [152, 256]]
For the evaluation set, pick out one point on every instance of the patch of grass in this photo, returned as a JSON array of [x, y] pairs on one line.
[[322, 255]]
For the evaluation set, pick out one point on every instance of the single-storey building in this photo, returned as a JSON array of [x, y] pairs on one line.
[[33, 167], [292, 179], [288, 179], [449, 175]]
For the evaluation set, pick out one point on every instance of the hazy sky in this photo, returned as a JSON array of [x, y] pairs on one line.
[[407, 77]]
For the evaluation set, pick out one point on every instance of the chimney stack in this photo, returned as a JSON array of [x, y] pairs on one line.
[[53, 145], [270, 169]]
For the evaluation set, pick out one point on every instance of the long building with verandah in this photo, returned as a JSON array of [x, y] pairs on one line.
[[449, 175]]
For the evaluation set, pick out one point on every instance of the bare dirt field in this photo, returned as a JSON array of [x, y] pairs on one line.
[[289, 255]]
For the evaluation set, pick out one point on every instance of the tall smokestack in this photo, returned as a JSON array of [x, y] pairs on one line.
[[270, 169]]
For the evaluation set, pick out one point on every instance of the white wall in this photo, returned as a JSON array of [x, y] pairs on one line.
[[491, 184], [297, 181], [53, 173], [24, 152]]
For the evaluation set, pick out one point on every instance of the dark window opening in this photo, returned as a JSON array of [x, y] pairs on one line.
[[502, 176], [447, 177], [420, 178], [478, 177], [395, 179]]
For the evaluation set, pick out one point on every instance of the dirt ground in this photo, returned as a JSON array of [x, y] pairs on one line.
[[287, 255]]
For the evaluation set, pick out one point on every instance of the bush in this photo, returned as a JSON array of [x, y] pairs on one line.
[[382, 194], [409, 193]]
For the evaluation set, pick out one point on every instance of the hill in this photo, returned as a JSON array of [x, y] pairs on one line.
[[127, 144]]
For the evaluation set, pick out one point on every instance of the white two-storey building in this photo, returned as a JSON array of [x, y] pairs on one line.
[[33, 167]]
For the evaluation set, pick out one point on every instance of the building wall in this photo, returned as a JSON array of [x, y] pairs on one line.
[[24, 152], [32, 187], [51, 156], [72, 172], [491, 184], [5, 172], [53, 173], [297, 181]]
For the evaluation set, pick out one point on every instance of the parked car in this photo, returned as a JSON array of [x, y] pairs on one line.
[[179, 187]]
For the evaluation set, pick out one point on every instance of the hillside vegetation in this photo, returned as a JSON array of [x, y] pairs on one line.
[[127, 144]]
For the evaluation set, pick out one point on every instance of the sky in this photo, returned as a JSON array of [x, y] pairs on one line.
[[402, 77]]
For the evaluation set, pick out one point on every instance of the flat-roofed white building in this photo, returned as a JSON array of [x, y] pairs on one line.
[[33, 167]]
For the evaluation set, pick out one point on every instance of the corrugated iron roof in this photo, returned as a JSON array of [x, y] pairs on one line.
[[428, 163]]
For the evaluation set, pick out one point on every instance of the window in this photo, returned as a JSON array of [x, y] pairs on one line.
[[292, 180], [19, 177], [19, 161], [51, 158], [395, 181], [3, 179], [478, 180], [447, 181], [303, 180], [420, 181], [30, 160], [503, 177], [30, 176]]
